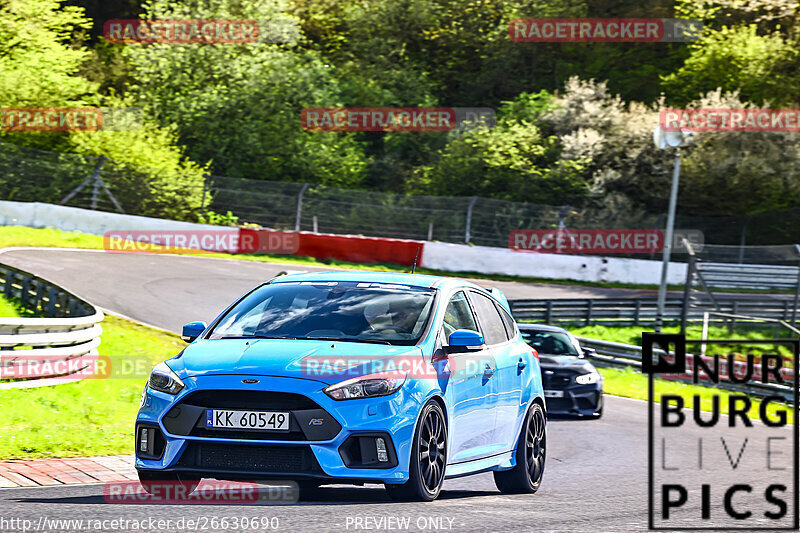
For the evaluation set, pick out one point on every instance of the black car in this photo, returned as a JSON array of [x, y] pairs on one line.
[[572, 385]]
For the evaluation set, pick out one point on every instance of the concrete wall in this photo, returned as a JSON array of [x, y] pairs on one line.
[[39, 215], [460, 257]]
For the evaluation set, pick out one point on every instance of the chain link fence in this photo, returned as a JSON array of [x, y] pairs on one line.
[[476, 220], [31, 175]]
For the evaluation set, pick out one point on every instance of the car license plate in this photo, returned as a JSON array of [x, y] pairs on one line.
[[554, 394], [253, 420]]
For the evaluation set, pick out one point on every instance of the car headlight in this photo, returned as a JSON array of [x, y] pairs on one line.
[[380, 384], [588, 379], [163, 379]]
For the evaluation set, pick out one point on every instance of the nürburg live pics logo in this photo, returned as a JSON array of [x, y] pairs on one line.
[[725, 457]]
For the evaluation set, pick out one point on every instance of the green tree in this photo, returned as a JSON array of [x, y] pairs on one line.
[[148, 170], [39, 64], [43, 60], [238, 106], [761, 68]]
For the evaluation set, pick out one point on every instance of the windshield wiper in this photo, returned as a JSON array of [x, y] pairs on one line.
[[346, 339], [339, 339], [254, 337]]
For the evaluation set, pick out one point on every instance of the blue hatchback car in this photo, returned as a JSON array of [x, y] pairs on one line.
[[350, 377]]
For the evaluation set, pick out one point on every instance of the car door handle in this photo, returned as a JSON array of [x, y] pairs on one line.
[[522, 364], [488, 371]]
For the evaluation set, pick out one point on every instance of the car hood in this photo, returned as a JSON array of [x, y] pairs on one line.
[[325, 361]]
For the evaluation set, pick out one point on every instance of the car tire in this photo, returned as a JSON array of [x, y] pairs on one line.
[[526, 476], [153, 481], [428, 458]]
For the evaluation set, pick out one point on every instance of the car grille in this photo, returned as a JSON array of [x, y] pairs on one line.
[[250, 399], [250, 459], [292, 434], [559, 379]]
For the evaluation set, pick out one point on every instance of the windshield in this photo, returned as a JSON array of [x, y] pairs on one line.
[[360, 312], [550, 342]]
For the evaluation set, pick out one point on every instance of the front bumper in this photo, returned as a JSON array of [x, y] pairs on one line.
[[577, 400], [330, 450]]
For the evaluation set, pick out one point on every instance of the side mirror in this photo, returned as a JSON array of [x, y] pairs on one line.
[[588, 352], [192, 330], [464, 340]]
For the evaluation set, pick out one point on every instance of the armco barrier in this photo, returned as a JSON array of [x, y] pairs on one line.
[[70, 333], [640, 311]]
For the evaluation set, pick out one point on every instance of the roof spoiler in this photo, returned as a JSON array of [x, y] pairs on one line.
[[500, 297], [290, 272]]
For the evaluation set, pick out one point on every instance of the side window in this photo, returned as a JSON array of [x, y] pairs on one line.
[[494, 332], [508, 322], [457, 315]]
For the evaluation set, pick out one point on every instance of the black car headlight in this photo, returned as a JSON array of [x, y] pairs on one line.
[[163, 379], [380, 384]]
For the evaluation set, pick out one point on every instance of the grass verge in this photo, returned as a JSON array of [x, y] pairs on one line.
[[89, 417], [633, 334]]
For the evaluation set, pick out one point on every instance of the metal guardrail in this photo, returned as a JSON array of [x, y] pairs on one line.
[[639, 311], [762, 277], [615, 354], [67, 337], [705, 276]]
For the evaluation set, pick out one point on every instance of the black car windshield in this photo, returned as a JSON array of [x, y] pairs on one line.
[[361, 312], [550, 342]]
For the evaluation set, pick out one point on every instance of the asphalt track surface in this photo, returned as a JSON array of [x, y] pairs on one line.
[[596, 478], [170, 290]]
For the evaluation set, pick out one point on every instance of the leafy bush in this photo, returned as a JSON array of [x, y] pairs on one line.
[[216, 219]]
